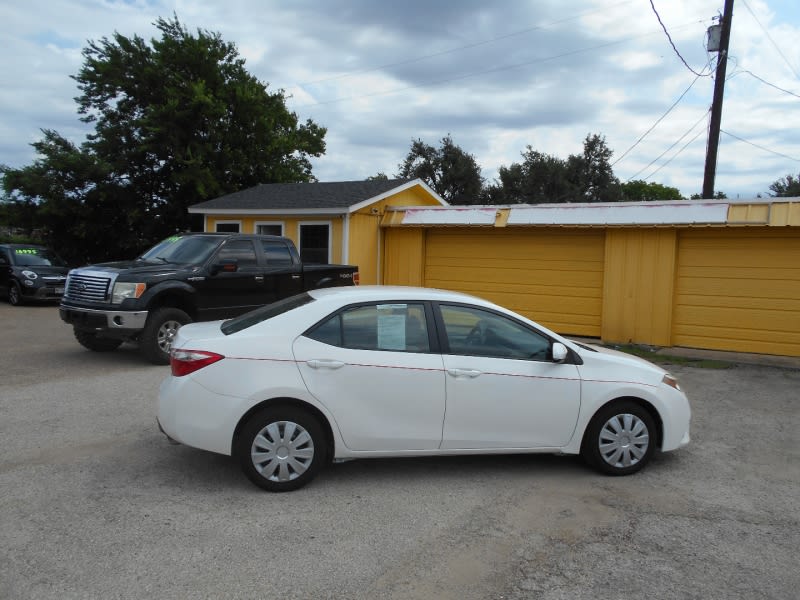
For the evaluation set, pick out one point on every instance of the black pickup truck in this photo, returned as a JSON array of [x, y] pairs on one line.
[[185, 278]]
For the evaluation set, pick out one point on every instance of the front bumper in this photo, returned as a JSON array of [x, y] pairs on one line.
[[103, 320]]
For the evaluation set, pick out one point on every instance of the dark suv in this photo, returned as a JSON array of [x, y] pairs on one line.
[[31, 273]]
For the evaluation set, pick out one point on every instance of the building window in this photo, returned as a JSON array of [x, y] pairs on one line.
[[269, 228], [315, 243], [228, 227]]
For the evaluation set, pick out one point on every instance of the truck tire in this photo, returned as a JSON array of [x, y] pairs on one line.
[[90, 341], [156, 337]]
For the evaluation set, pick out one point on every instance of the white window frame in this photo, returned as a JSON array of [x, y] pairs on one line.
[[282, 225], [218, 223], [330, 235]]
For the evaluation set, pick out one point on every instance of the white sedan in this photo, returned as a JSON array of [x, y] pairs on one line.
[[358, 372]]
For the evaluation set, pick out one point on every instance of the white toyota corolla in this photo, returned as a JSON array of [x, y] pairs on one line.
[[364, 371]]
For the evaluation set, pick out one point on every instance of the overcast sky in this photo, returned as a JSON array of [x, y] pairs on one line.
[[495, 75]]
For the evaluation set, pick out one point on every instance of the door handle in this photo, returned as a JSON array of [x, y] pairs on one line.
[[471, 373], [324, 364], [259, 278], [295, 276]]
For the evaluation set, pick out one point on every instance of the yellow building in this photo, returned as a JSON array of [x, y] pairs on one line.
[[715, 274]]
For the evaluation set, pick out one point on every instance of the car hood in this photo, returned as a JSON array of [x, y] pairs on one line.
[[607, 358], [44, 269]]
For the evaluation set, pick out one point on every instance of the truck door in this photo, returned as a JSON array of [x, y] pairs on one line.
[[284, 274], [234, 283]]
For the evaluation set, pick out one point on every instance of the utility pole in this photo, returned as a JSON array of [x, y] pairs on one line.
[[716, 106]]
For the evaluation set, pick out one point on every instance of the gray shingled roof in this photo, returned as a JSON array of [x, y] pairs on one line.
[[283, 196]]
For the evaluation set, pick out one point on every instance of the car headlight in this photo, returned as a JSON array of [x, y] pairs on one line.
[[671, 381], [29, 275], [125, 290]]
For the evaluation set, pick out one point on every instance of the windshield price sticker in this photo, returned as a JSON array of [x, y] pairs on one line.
[[26, 251]]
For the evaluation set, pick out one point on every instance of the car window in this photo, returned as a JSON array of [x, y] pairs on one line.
[[242, 251], [397, 327], [264, 313], [277, 254], [476, 332]]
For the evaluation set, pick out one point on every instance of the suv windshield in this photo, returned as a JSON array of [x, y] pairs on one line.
[[265, 312], [187, 250]]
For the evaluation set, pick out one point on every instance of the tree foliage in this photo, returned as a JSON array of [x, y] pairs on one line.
[[786, 187], [448, 170], [639, 190], [176, 121]]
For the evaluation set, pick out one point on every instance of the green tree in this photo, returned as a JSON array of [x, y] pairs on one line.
[[719, 195], [448, 170], [540, 178], [786, 187], [639, 190], [176, 121], [591, 172]]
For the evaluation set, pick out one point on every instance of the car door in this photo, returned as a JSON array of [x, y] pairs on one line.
[[503, 390], [374, 367], [5, 270], [235, 282]]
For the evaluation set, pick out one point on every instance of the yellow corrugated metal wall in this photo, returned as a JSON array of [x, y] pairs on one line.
[[738, 289], [638, 286], [550, 275]]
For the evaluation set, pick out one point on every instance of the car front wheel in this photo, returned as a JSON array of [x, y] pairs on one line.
[[620, 439], [281, 448], [14, 294]]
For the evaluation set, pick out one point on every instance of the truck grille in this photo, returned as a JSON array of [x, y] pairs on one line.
[[87, 288]]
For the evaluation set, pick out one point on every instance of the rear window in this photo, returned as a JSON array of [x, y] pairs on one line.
[[264, 313]]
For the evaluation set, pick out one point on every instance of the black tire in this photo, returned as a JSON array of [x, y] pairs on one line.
[[620, 439], [89, 340], [292, 444], [156, 337], [15, 294]]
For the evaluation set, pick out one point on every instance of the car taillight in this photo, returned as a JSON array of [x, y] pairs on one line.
[[184, 362]]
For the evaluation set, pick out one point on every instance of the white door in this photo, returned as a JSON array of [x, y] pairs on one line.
[[503, 390], [370, 366]]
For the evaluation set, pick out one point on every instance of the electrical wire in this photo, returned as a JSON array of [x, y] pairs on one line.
[[676, 155], [661, 118], [769, 37], [678, 141], [736, 137], [768, 83], [664, 27]]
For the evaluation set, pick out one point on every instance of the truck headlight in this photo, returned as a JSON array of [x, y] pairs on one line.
[[125, 290]]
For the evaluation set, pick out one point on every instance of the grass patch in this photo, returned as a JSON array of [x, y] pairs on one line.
[[669, 359]]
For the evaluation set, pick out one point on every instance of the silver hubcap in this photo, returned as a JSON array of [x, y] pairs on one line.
[[624, 440], [282, 451], [167, 333]]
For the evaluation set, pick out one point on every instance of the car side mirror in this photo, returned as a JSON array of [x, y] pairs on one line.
[[225, 266], [560, 352]]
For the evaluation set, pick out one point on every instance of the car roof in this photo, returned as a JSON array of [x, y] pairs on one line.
[[366, 293]]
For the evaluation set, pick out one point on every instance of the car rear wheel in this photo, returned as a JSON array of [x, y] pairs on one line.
[[620, 439], [281, 448], [89, 340], [159, 331], [14, 294]]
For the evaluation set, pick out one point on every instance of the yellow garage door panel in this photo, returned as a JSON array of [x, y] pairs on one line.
[[739, 289], [553, 277]]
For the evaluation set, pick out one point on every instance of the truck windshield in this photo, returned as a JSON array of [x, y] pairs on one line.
[[186, 250]]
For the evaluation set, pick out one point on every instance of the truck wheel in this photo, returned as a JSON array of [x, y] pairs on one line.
[[14, 294], [89, 340], [161, 327]]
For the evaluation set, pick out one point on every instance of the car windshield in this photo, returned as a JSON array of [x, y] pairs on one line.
[[183, 249], [264, 313], [32, 257]]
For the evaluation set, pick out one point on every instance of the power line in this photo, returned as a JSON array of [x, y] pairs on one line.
[[675, 156], [485, 71], [736, 137], [678, 141], [673, 44], [769, 37], [465, 47], [661, 118], [769, 84]]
